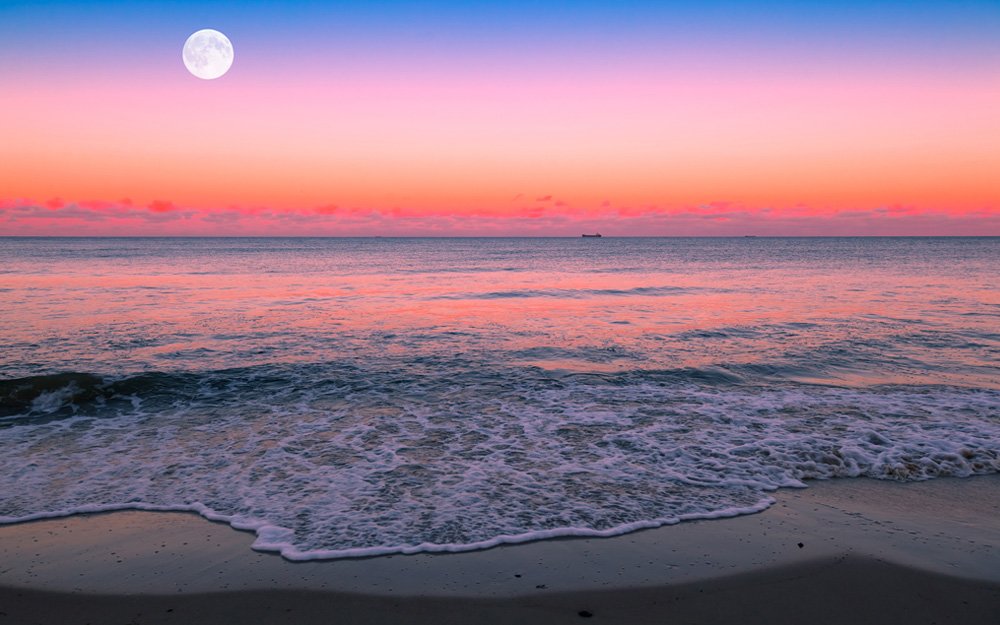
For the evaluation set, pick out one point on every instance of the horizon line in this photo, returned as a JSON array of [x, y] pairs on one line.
[[473, 236]]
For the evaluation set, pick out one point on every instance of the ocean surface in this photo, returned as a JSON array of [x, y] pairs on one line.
[[349, 397]]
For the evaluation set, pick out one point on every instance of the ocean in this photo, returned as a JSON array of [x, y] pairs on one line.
[[356, 397]]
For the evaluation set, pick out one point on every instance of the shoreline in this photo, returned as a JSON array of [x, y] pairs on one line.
[[862, 540]]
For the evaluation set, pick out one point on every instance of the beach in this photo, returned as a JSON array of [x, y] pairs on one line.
[[842, 551]]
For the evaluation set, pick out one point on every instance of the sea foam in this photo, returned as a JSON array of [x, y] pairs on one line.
[[332, 461]]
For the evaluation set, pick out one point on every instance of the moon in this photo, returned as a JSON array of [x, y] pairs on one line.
[[208, 54]]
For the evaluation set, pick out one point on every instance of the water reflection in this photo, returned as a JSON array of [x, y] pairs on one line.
[[839, 311]]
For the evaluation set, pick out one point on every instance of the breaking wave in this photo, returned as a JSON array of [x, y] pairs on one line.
[[334, 460]]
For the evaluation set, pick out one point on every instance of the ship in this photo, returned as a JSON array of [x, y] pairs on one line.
[[591, 236]]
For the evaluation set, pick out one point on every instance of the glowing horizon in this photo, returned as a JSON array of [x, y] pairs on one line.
[[394, 119]]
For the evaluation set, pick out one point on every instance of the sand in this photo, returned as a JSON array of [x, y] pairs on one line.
[[846, 551]]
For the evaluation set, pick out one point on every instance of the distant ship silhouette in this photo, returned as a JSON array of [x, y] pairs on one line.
[[591, 236]]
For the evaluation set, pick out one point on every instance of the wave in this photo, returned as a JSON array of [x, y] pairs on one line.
[[647, 291], [332, 460], [44, 398], [63, 395]]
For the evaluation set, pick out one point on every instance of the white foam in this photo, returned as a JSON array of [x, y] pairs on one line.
[[405, 464]]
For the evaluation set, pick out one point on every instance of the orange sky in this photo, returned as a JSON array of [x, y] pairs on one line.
[[778, 137]]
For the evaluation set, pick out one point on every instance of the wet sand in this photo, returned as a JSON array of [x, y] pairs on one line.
[[846, 551]]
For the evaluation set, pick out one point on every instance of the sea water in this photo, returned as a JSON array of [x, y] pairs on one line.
[[348, 397]]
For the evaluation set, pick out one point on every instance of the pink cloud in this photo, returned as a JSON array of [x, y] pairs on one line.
[[161, 206], [717, 218], [97, 205]]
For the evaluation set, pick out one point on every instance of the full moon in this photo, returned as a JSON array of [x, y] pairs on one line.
[[208, 54]]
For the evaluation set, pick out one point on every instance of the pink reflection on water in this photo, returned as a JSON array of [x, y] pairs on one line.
[[206, 312]]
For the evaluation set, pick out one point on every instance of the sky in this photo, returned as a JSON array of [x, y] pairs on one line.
[[514, 118]]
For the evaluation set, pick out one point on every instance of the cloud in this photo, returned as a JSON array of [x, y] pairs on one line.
[[161, 206], [552, 217], [98, 205]]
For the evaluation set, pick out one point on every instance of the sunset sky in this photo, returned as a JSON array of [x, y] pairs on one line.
[[502, 118]]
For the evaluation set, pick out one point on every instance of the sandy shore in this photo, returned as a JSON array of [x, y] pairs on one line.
[[847, 551]]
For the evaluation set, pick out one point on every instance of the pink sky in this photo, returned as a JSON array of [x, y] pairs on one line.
[[704, 145]]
